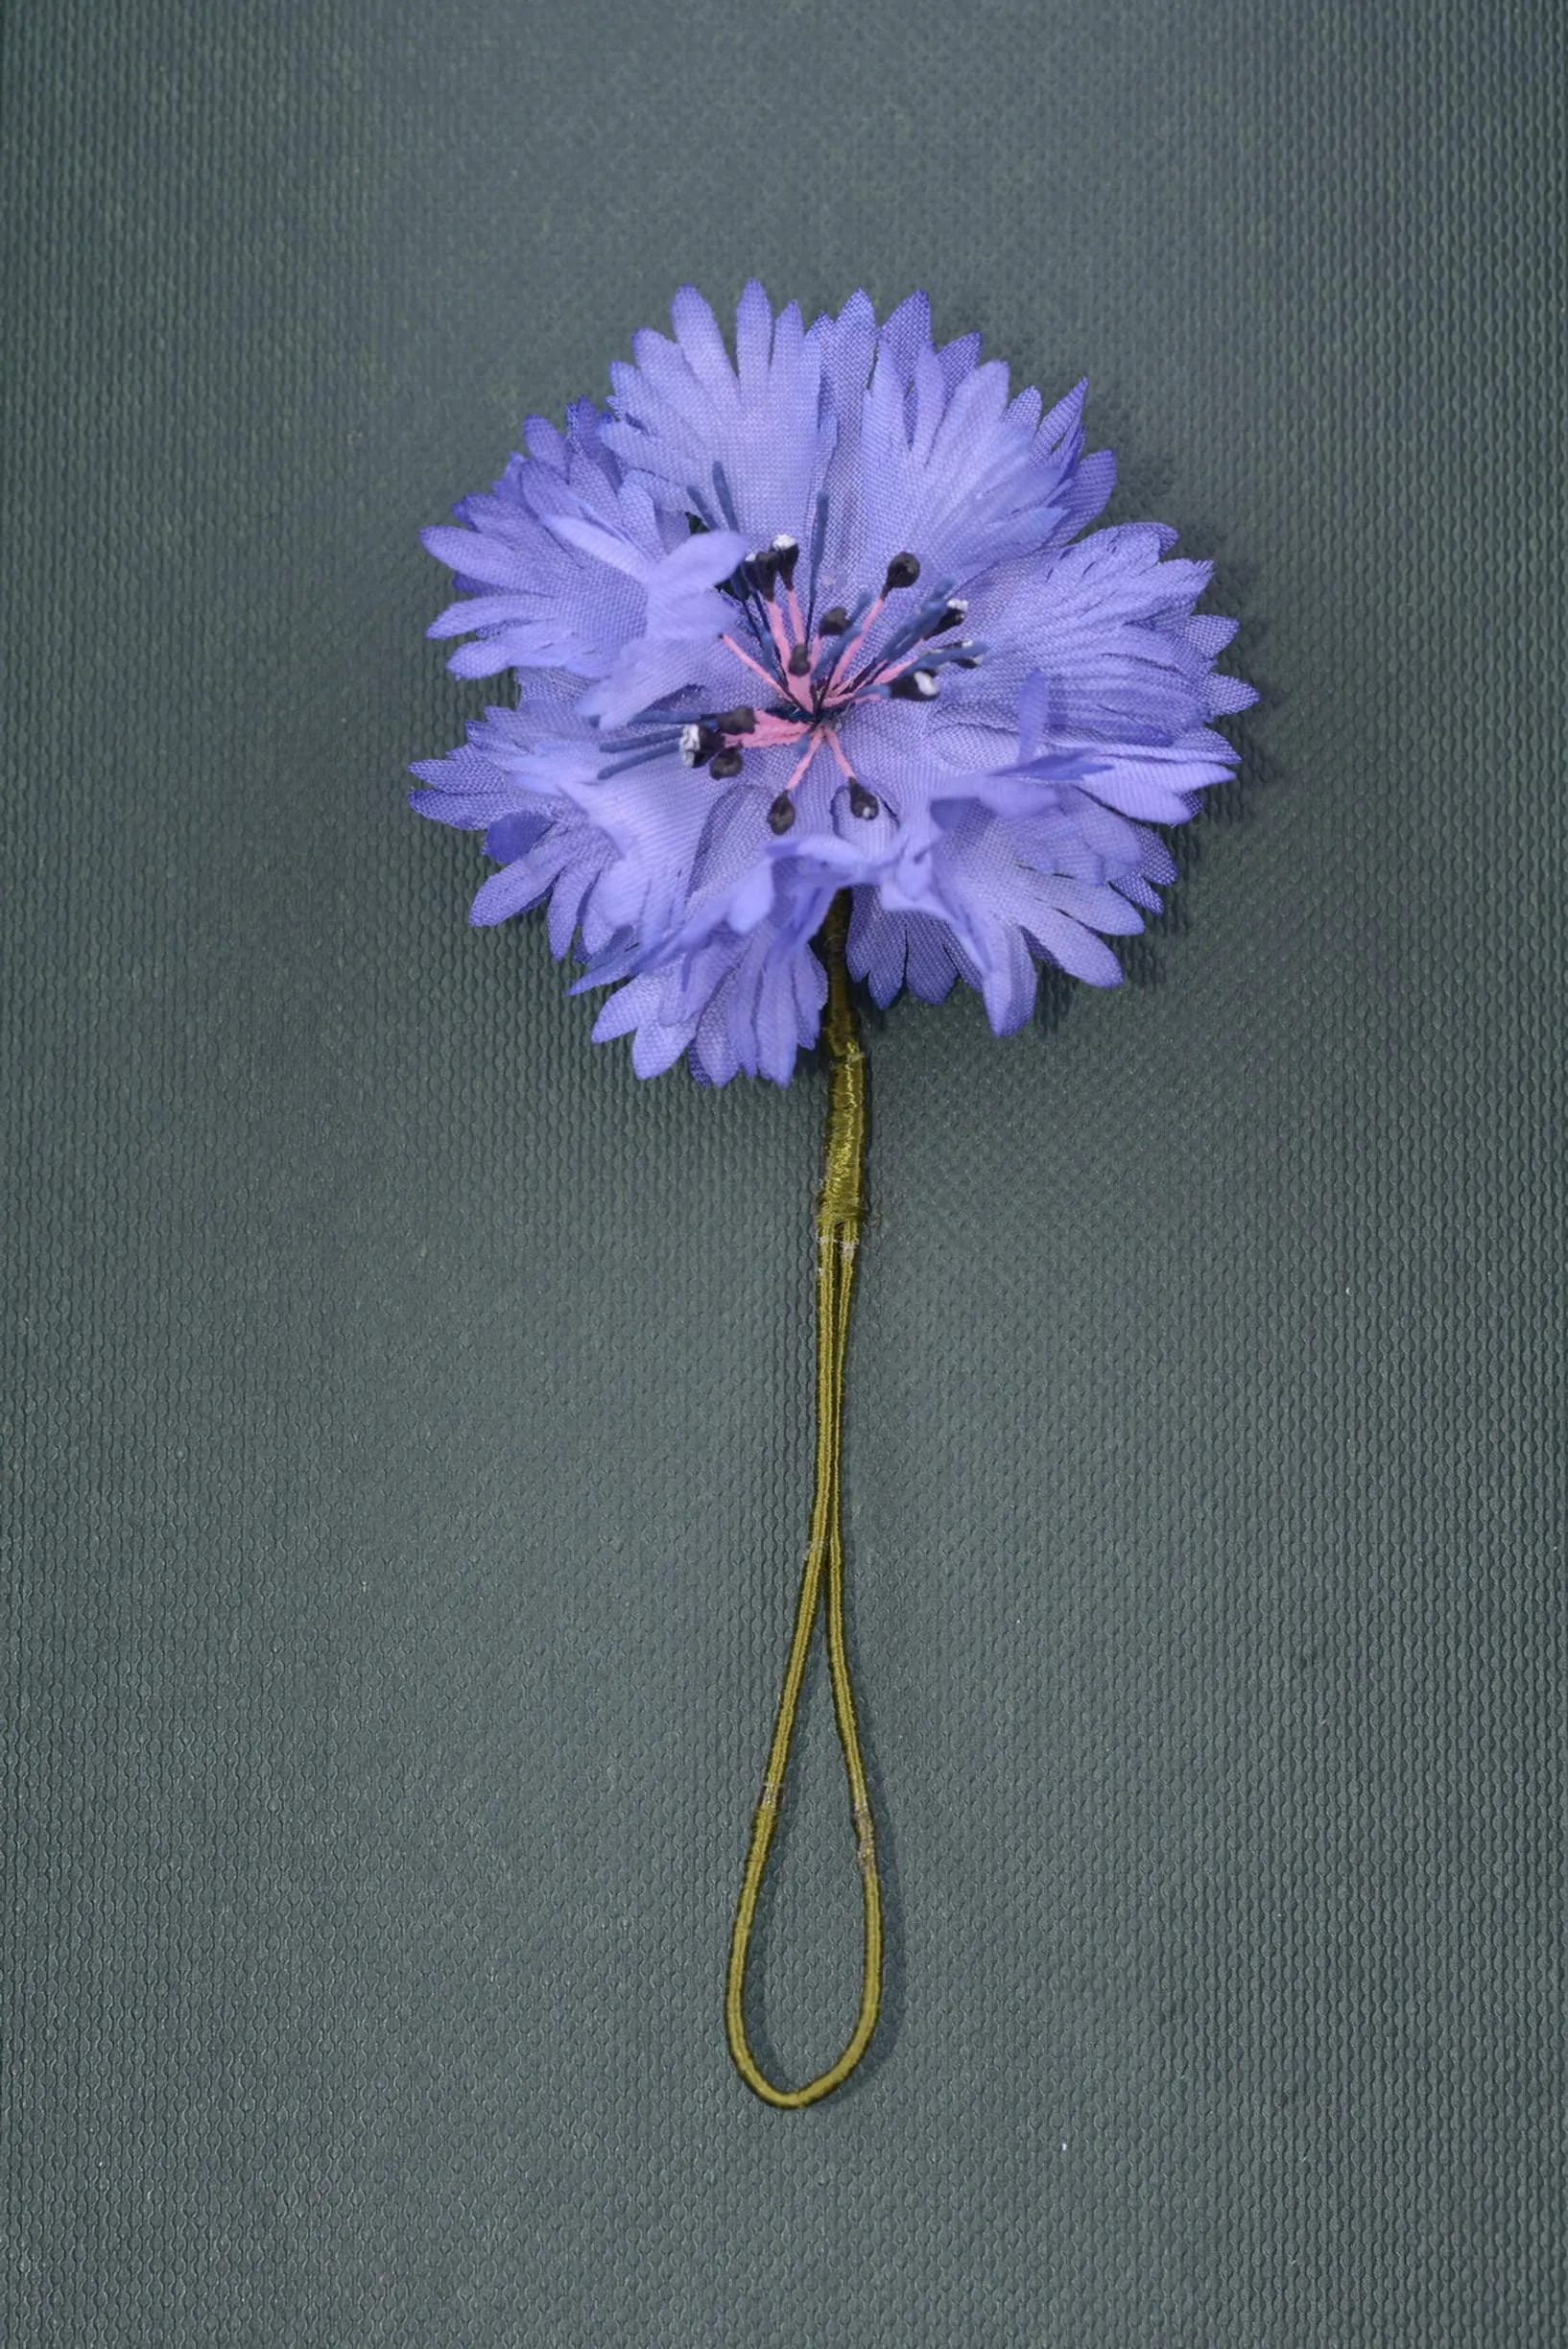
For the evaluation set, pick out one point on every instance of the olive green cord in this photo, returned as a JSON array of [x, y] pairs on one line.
[[839, 1211]]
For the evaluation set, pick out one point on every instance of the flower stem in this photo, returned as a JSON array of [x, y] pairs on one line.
[[840, 1212]]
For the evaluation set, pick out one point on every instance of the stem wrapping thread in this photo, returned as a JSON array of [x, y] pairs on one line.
[[841, 1206]]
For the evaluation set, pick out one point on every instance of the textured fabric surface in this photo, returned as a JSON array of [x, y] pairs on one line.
[[406, 1421]]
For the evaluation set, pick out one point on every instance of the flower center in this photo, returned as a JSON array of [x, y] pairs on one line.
[[818, 665], [817, 661], [815, 665]]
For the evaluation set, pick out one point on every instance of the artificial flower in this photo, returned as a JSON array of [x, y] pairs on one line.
[[823, 615]]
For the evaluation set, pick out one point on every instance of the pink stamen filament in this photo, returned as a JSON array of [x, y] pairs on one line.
[[770, 732], [836, 748], [792, 684], [850, 649], [909, 660], [756, 668], [807, 756]]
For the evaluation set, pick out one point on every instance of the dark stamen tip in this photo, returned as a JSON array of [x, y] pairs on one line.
[[741, 720], [902, 572], [723, 765], [698, 745], [781, 815], [786, 553], [861, 802], [833, 622], [918, 685], [798, 663]]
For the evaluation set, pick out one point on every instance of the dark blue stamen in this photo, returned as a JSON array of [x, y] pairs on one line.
[[964, 655], [819, 539], [721, 491], [639, 758], [903, 640], [920, 624], [819, 531]]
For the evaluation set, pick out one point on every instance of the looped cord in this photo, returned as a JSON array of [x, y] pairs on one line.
[[840, 1205]]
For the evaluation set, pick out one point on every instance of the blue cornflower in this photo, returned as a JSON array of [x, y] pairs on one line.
[[819, 619]]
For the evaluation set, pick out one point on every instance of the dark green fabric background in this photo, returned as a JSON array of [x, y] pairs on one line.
[[407, 1410]]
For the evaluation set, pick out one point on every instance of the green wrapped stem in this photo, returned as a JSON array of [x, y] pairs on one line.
[[841, 1206]]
